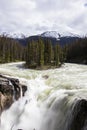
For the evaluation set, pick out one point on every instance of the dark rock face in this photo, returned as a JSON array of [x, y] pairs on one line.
[[79, 116], [10, 90]]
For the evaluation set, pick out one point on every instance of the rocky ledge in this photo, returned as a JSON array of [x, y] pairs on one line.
[[10, 90]]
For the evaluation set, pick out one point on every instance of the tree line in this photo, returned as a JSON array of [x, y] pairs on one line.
[[77, 51], [42, 53], [10, 50]]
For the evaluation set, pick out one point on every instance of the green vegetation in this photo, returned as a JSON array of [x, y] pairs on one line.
[[10, 50], [43, 55], [77, 51]]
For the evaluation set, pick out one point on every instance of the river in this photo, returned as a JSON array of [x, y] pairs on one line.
[[56, 99]]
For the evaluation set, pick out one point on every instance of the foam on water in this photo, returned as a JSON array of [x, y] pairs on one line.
[[47, 102]]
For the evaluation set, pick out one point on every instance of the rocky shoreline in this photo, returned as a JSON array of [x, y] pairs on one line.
[[10, 90]]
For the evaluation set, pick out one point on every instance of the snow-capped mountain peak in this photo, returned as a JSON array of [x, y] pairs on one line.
[[57, 35], [52, 34], [69, 34]]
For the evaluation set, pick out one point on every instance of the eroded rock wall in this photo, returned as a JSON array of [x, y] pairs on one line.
[[10, 90]]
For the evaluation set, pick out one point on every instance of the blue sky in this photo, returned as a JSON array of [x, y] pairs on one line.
[[36, 16]]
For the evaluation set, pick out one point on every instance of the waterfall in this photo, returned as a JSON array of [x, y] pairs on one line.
[[67, 112], [14, 93], [21, 92], [56, 103]]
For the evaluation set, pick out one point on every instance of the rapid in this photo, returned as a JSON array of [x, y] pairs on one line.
[[56, 99]]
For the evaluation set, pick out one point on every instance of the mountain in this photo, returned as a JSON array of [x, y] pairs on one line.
[[57, 35], [54, 36]]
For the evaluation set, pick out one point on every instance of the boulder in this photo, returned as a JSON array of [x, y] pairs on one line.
[[45, 76], [10, 90]]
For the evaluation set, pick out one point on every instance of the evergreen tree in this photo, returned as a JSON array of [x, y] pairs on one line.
[[10, 50], [56, 55], [41, 52]]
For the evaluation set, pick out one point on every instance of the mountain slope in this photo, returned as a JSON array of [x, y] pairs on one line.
[[57, 35], [53, 36]]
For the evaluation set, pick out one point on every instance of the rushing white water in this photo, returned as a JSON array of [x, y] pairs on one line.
[[48, 103]]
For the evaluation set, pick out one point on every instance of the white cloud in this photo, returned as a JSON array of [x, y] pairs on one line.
[[36, 16]]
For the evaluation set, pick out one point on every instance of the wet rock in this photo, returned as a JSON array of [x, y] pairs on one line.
[[45, 76], [79, 115], [24, 89], [10, 90]]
